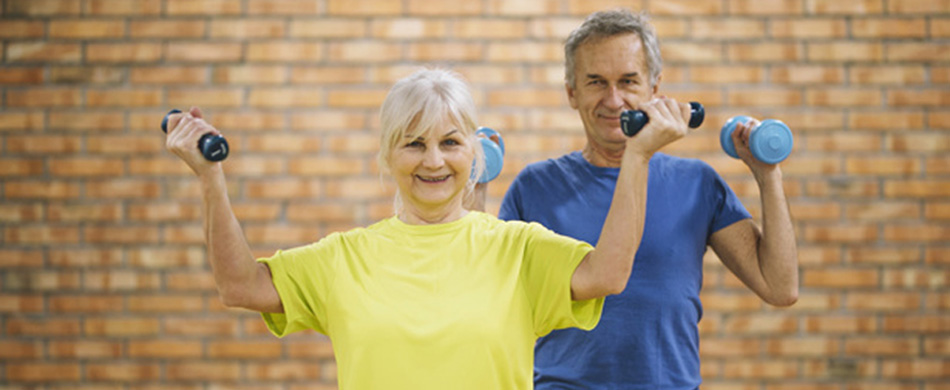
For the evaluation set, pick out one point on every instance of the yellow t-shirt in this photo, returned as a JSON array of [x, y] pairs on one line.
[[449, 306]]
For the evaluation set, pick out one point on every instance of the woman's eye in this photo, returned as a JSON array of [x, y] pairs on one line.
[[451, 142], [415, 144]]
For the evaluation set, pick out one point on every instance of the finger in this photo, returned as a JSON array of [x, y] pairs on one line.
[[196, 112]]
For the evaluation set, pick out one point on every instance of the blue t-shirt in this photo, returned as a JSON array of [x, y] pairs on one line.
[[648, 336]]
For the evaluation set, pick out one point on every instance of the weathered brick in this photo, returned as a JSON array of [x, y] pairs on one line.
[[122, 7], [364, 7], [169, 29], [42, 52], [247, 29], [42, 7], [204, 52], [203, 7], [86, 29], [857, 7], [123, 52], [442, 8], [21, 29], [889, 28]]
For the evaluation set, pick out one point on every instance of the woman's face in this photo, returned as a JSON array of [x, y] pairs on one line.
[[431, 171]]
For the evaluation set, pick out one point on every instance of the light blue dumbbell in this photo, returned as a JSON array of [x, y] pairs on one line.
[[770, 141], [494, 154]]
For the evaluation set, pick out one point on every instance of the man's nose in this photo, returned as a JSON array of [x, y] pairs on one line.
[[613, 99]]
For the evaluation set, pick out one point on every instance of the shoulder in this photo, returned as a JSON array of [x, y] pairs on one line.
[[666, 164]]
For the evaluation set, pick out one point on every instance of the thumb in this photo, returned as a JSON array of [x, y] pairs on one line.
[[196, 112]]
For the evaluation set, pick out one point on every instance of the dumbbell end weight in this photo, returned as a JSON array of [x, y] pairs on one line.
[[771, 141], [494, 154], [213, 147], [632, 121]]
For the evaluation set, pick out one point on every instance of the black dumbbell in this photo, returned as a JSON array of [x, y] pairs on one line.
[[213, 147], [632, 121]]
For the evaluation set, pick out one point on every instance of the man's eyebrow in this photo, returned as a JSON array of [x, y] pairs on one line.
[[626, 75]]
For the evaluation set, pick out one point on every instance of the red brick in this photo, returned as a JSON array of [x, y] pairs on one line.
[[123, 52], [123, 7], [195, 371], [21, 29], [753, 7], [843, 142], [856, 7], [840, 233], [20, 350], [40, 190], [166, 303], [20, 167], [21, 76], [328, 75], [328, 28], [528, 97], [918, 6], [886, 120], [84, 212], [42, 7], [203, 7], [204, 52], [729, 348], [808, 347], [42, 372], [842, 51], [883, 166], [883, 211], [19, 213], [121, 234], [927, 97], [836, 324], [364, 7], [44, 97], [808, 28], [85, 258], [928, 143], [844, 97], [756, 369], [165, 349], [503, 52], [124, 372], [923, 279], [244, 349], [249, 75], [189, 281], [443, 8], [86, 75], [86, 29], [168, 258], [170, 29], [719, 74], [121, 281], [763, 52], [408, 28], [840, 278], [917, 369], [102, 326], [883, 301], [164, 75], [938, 211], [485, 28], [283, 7], [806, 74], [328, 120], [247, 29], [356, 98], [917, 233], [889, 28], [205, 98], [923, 324], [918, 52], [19, 304], [85, 349], [522, 7], [368, 52], [86, 121], [42, 52], [123, 98], [285, 52], [916, 188], [887, 75], [41, 327], [685, 7]]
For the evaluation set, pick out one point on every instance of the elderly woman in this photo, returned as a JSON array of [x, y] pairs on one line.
[[435, 296]]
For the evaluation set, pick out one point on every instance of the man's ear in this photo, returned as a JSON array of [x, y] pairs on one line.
[[656, 87], [570, 95]]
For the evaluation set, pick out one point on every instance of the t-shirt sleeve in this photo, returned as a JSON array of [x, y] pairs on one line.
[[511, 204], [728, 208], [549, 263], [303, 278]]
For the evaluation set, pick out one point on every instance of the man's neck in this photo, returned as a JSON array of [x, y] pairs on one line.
[[600, 156]]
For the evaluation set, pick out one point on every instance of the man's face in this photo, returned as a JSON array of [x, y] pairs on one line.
[[610, 76]]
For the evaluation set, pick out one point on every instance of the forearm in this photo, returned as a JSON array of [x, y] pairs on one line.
[[612, 259], [777, 252], [232, 261]]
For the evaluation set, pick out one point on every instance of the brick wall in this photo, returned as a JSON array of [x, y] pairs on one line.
[[103, 280]]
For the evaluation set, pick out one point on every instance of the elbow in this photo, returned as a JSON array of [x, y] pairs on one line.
[[231, 297], [786, 299], [615, 286]]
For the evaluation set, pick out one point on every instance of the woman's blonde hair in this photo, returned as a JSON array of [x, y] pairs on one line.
[[419, 103]]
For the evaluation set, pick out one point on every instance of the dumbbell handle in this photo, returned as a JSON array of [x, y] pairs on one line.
[[213, 147], [632, 121]]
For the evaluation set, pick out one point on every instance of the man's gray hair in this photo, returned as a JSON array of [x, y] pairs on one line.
[[604, 24]]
